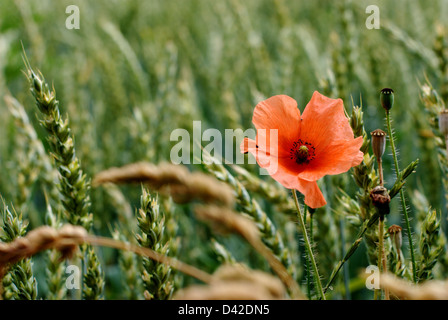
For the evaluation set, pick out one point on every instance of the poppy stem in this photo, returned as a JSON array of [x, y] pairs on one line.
[[403, 200], [311, 212], [308, 247], [380, 170], [308, 262], [382, 266], [351, 251]]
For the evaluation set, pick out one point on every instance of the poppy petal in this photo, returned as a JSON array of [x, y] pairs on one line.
[[271, 162], [247, 144], [264, 159], [277, 113], [313, 196], [334, 159], [324, 121]]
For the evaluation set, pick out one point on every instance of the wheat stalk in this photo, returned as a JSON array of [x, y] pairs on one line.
[[174, 180], [73, 183], [19, 283], [156, 278]]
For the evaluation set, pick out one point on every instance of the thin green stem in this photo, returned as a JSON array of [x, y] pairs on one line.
[[403, 200], [311, 214], [376, 295], [380, 170], [380, 250], [346, 276], [311, 229], [352, 250], [308, 262], [381, 254], [308, 247], [311, 239]]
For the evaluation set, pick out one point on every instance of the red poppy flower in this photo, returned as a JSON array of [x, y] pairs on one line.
[[308, 147]]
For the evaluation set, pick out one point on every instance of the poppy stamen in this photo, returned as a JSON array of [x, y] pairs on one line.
[[302, 152]]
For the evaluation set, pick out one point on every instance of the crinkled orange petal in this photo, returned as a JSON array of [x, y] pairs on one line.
[[327, 128], [247, 144], [324, 121], [313, 196], [265, 159], [334, 159], [269, 160], [277, 113]]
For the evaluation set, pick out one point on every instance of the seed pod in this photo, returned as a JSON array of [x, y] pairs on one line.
[[378, 142], [380, 199], [387, 98], [395, 234]]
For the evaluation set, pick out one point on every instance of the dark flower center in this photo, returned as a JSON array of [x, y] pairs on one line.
[[302, 152]]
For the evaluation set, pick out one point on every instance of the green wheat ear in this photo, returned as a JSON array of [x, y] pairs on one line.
[[431, 245], [157, 278], [73, 183], [55, 267], [19, 282]]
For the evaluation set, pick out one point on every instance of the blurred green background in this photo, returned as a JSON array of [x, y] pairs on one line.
[[136, 70]]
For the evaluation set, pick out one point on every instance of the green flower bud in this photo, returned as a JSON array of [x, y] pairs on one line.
[[387, 98]]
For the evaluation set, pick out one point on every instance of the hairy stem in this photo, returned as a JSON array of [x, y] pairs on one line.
[[380, 170], [308, 248], [382, 266], [352, 250], [403, 200], [308, 262]]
